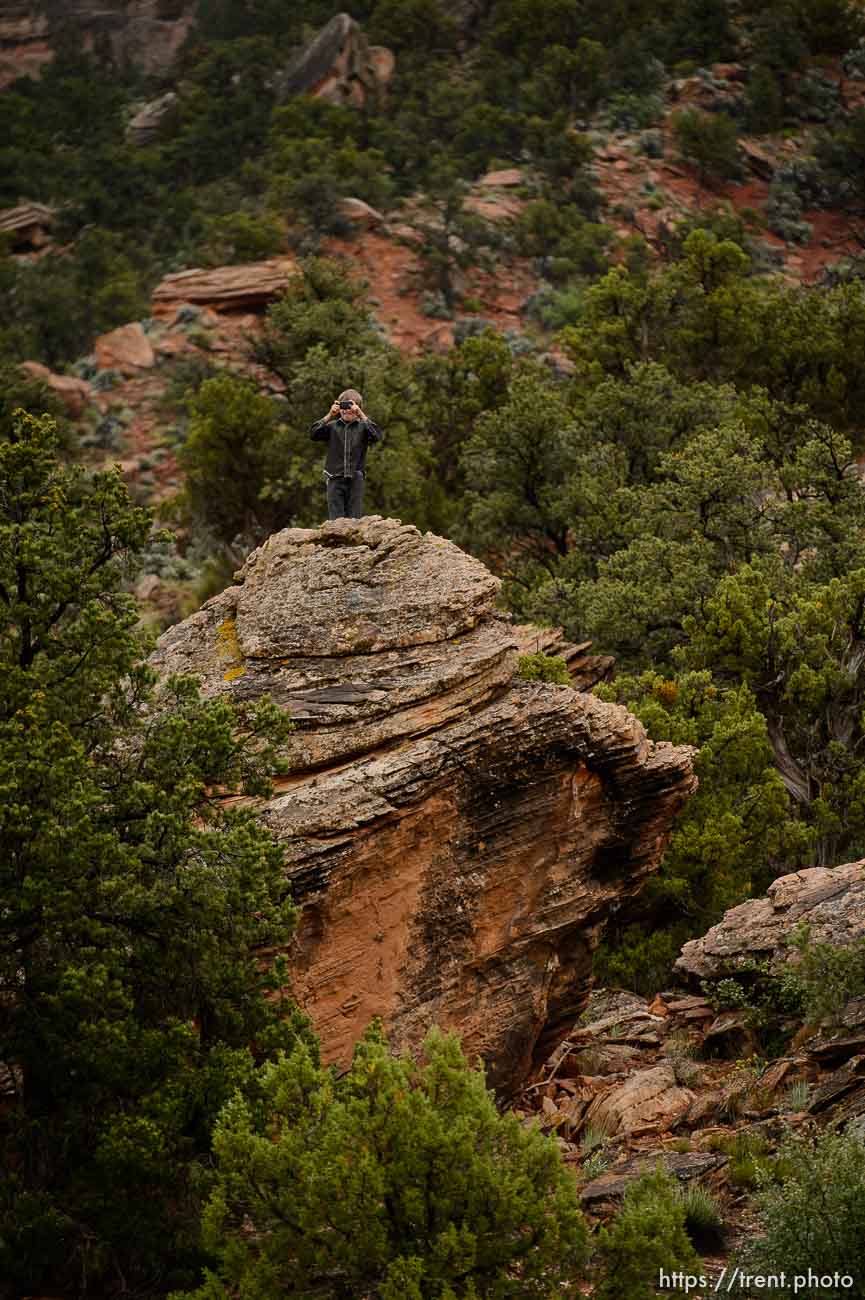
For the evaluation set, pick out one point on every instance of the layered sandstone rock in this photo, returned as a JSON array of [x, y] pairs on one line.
[[27, 226], [649, 1098], [457, 836], [247, 287], [149, 120], [829, 900], [361, 214], [144, 34]]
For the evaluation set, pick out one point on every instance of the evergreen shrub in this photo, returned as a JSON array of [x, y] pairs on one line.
[[812, 1216], [394, 1181]]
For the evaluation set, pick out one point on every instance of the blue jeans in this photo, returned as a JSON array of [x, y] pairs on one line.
[[345, 497]]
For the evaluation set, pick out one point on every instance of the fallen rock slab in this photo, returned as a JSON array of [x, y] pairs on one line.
[[456, 836], [849, 1079], [27, 225], [683, 1165], [340, 66], [146, 124], [502, 179], [361, 214], [648, 1097], [75, 394]]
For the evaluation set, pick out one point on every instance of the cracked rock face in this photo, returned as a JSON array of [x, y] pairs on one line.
[[457, 836]]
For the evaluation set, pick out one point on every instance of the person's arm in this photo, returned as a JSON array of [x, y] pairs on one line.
[[320, 431], [373, 432]]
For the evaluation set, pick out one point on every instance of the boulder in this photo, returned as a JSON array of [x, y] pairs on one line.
[[494, 207], [439, 339], [145, 125], [360, 213], [830, 900], [603, 1058], [730, 1034], [682, 1165], [127, 349], [340, 66], [649, 1097], [456, 836], [76, 394], [757, 159], [507, 177], [248, 287]]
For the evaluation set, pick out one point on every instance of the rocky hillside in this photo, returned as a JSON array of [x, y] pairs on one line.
[[457, 836], [707, 1091], [141, 34]]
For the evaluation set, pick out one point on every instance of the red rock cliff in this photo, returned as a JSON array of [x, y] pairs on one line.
[[457, 836]]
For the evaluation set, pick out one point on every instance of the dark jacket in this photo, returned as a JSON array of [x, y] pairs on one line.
[[347, 441]]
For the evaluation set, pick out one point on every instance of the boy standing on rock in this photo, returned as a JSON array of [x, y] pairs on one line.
[[348, 433]]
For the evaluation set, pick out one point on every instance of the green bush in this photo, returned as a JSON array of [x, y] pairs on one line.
[[828, 976], [647, 1235], [784, 214], [703, 1221], [133, 900], [392, 1180], [708, 142], [812, 1219], [640, 961], [544, 668], [242, 237]]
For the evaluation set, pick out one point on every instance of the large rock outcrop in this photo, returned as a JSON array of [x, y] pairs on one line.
[[144, 34], [457, 836], [829, 900], [339, 65]]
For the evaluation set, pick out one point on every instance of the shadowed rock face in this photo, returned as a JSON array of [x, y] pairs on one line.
[[456, 835]]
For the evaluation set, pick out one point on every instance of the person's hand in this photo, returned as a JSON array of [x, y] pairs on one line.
[[334, 410]]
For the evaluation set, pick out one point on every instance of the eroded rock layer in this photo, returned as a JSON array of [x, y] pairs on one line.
[[456, 835]]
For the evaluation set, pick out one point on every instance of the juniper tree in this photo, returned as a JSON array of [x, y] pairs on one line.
[[394, 1181], [131, 900]]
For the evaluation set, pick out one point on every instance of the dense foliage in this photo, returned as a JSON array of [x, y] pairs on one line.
[[393, 1181], [812, 1216], [131, 901]]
